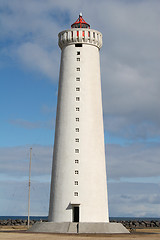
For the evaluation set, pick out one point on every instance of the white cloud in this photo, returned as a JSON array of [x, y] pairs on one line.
[[14, 161], [130, 63], [44, 62], [14, 198], [125, 198], [129, 57], [134, 199], [128, 161], [31, 32], [132, 161]]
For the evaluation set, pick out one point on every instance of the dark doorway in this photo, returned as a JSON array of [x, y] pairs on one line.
[[75, 214]]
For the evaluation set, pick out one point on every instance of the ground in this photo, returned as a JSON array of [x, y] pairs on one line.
[[18, 233]]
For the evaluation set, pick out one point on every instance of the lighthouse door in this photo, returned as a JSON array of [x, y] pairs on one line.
[[76, 214]]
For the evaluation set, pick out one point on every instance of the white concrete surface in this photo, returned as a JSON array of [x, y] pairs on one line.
[[102, 228], [80, 35], [54, 227], [92, 186], [106, 228]]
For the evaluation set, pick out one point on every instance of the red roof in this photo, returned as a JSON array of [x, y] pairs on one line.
[[80, 23]]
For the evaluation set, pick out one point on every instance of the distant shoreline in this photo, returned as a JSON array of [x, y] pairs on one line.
[[129, 223], [38, 218]]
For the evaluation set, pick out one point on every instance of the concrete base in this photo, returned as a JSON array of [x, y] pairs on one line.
[[70, 227]]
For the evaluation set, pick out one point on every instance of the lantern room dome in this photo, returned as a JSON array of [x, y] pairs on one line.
[[80, 23]]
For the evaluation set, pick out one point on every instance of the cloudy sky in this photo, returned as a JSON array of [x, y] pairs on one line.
[[29, 69]]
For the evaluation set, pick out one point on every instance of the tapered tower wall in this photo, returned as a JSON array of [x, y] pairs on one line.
[[79, 172]]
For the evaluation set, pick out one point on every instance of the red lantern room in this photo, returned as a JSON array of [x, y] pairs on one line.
[[80, 23]]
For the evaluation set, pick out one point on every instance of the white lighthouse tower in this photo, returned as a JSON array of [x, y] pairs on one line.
[[78, 195], [79, 188]]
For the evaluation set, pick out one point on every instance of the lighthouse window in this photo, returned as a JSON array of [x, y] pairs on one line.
[[77, 129], [78, 45], [76, 139], [77, 98], [78, 53], [76, 150], [76, 172], [75, 182], [78, 79], [77, 109], [78, 59], [77, 119], [77, 89], [76, 161], [78, 69], [76, 194]]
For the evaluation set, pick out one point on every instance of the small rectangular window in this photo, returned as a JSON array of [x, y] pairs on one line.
[[78, 45], [78, 69], [76, 139], [76, 150], [76, 161], [76, 194], [77, 89], [78, 59], [77, 99], [78, 53], [75, 182], [77, 119], [77, 78], [77, 109], [76, 172], [77, 129], [94, 34]]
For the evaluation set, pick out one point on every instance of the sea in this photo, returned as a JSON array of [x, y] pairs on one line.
[[38, 218]]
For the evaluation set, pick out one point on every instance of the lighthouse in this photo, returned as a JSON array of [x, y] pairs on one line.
[[78, 193], [79, 188]]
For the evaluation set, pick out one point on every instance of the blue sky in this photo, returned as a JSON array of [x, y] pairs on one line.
[[28, 109], [29, 71]]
